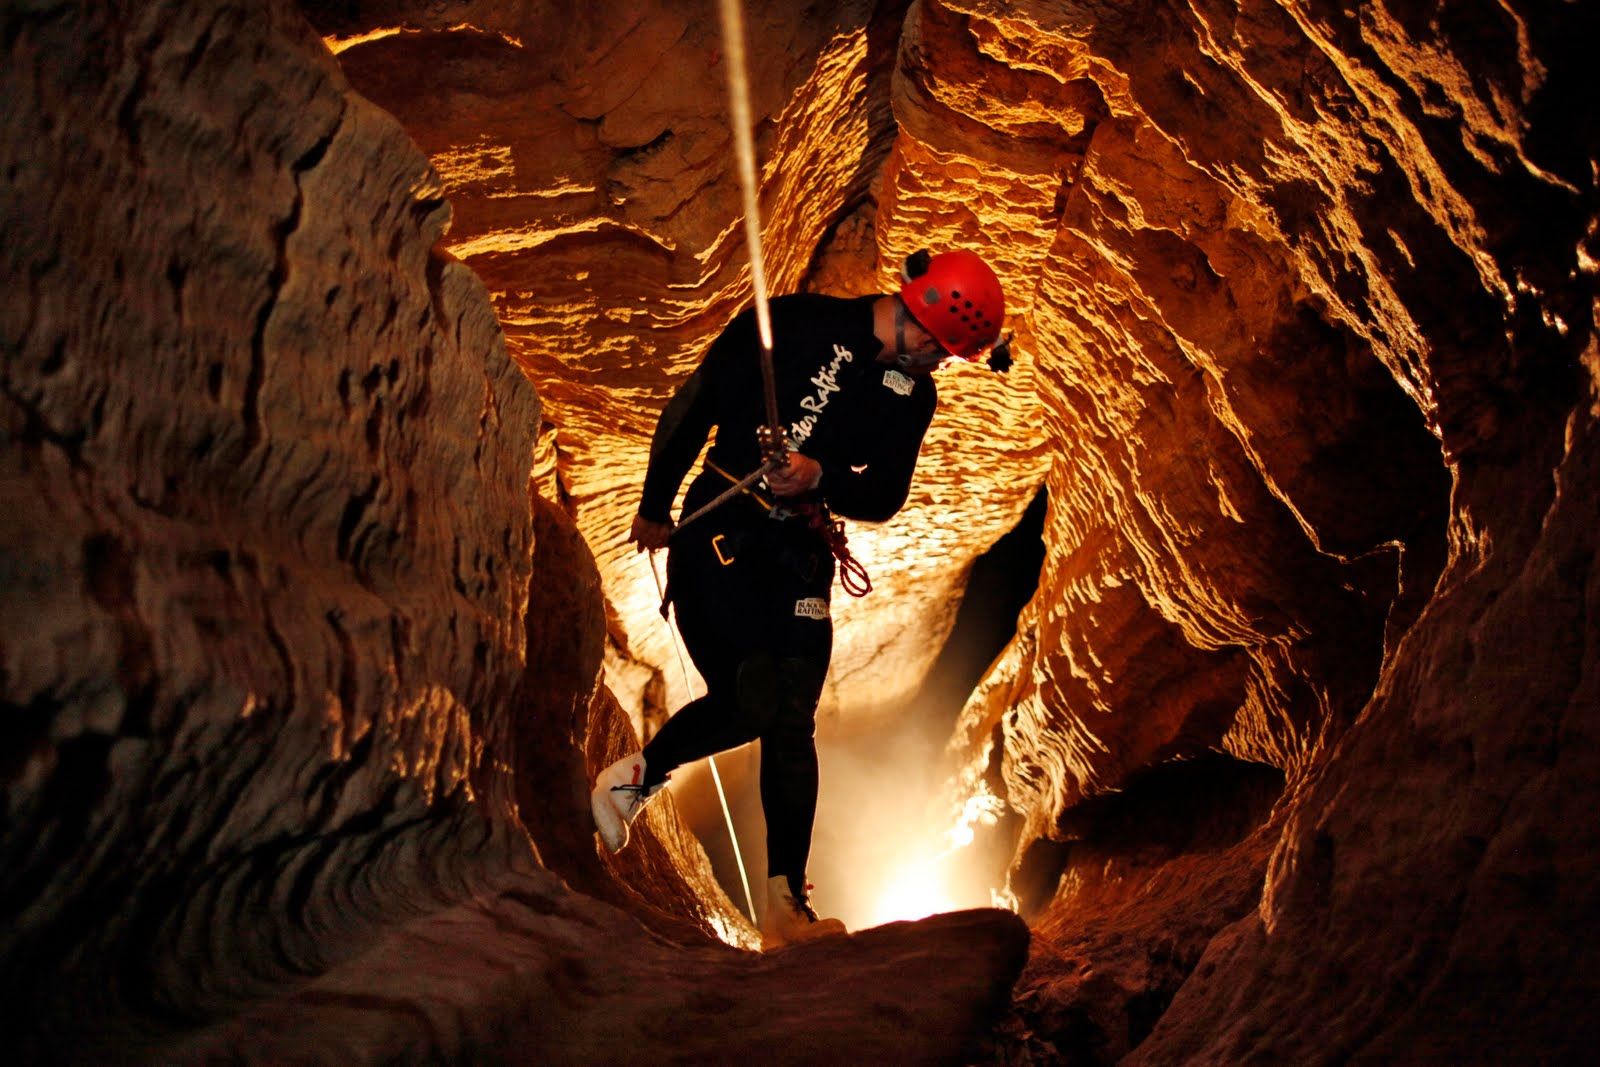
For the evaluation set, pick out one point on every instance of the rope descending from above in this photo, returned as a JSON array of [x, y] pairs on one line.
[[745, 154], [773, 443]]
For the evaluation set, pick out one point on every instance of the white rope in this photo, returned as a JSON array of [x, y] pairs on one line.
[[722, 796], [745, 153]]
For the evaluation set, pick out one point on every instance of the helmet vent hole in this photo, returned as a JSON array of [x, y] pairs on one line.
[[955, 294]]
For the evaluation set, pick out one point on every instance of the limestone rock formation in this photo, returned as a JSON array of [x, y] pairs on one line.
[[266, 537], [276, 713], [1293, 755], [1320, 363], [590, 166]]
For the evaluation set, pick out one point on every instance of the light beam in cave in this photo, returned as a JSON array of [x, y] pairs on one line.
[[914, 891]]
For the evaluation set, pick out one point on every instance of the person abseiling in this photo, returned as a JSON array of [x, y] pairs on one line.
[[752, 578]]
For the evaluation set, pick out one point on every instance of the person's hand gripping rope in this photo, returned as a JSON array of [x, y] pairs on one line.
[[799, 474]]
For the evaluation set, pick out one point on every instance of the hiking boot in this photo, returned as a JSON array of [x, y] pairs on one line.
[[618, 798], [790, 917]]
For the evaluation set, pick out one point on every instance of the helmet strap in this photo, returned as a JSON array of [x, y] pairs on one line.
[[906, 361], [910, 361]]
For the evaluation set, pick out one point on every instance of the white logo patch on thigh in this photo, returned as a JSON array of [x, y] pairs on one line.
[[812, 607]]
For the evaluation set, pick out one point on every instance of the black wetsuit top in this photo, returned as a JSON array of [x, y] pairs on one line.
[[862, 420]]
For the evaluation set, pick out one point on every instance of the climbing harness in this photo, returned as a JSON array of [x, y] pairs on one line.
[[716, 778], [740, 485], [853, 574]]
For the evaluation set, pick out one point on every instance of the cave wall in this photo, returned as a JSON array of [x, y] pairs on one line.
[[1304, 296], [1321, 384], [591, 168], [266, 532], [299, 675], [1301, 322]]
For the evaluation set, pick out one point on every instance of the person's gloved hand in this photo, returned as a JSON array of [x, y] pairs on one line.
[[646, 534], [800, 476]]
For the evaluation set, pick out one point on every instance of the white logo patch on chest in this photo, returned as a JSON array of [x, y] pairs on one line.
[[811, 607], [827, 382], [898, 382]]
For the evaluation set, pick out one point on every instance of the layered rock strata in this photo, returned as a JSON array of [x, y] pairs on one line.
[[277, 718], [1319, 369], [1305, 296], [591, 168], [266, 536], [1297, 295], [534, 973]]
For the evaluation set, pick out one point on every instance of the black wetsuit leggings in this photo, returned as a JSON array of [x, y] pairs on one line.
[[751, 595]]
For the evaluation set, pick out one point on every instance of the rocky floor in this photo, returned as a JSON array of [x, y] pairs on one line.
[[533, 973]]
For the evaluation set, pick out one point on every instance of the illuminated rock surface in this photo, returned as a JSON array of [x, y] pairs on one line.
[[284, 743], [1297, 739]]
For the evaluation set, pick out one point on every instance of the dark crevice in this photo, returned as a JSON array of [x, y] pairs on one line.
[[1203, 804], [52, 829], [347, 668], [55, 360], [277, 278], [1037, 874], [24, 732], [248, 565], [128, 108], [1206, 804], [638, 153], [108, 565], [350, 519], [433, 273], [36, 429], [202, 44], [999, 586], [1157, 869]]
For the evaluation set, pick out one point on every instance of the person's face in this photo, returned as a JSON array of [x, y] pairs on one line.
[[919, 342], [920, 354]]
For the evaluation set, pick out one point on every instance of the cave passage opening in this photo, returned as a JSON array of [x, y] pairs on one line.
[[880, 850]]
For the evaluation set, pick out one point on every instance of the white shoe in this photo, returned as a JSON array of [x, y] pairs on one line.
[[618, 798], [789, 918]]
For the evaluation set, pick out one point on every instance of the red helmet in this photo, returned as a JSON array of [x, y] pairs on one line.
[[956, 298]]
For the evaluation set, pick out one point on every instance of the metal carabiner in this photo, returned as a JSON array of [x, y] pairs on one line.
[[716, 546]]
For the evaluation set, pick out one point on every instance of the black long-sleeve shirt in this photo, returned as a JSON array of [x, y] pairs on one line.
[[862, 420]]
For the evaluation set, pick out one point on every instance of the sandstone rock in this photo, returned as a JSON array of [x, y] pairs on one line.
[[266, 536], [595, 193], [1429, 892], [276, 712], [1308, 429], [1304, 296], [530, 972]]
